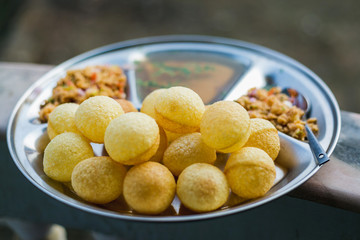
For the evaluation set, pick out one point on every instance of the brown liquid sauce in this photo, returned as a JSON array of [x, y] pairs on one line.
[[209, 75]]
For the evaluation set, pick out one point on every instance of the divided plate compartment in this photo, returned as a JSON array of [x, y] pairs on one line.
[[190, 60]]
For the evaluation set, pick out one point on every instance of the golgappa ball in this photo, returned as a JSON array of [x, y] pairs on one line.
[[149, 102], [225, 126], [62, 119], [98, 179], [132, 138], [63, 153], [264, 135], [94, 115], [187, 150], [179, 110], [250, 172], [202, 187], [126, 105], [149, 188]]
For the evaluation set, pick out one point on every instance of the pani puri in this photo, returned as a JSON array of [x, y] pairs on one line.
[[149, 188], [187, 150], [163, 144], [264, 135], [63, 153], [171, 136], [225, 126], [98, 179], [132, 138], [50, 132], [62, 119], [202, 187], [94, 115], [250, 172], [179, 110], [149, 102], [126, 105]]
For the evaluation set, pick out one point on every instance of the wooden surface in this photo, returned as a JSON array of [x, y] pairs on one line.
[[14, 80], [337, 183]]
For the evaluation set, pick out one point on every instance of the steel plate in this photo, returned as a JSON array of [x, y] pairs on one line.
[[253, 65]]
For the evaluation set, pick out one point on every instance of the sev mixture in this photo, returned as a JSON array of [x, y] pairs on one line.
[[81, 84], [279, 109]]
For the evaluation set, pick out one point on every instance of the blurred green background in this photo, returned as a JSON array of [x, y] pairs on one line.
[[323, 35]]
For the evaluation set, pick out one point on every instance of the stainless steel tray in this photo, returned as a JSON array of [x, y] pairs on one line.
[[253, 66]]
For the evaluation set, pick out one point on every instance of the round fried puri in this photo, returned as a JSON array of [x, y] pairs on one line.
[[126, 105], [149, 188], [132, 138], [62, 119], [202, 187], [225, 126], [187, 150], [179, 110], [51, 132], [250, 172], [264, 135], [94, 115], [98, 179], [163, 144], [63, 153], [149, 102], [171, 136]]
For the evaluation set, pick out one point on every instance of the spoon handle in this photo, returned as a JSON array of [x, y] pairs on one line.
[[316, 148]]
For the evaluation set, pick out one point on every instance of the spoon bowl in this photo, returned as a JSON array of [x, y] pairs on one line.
[[300, 101]]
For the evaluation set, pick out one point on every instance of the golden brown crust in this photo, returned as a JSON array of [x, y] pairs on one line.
[[63, 153], [179, 110], [98, 180], [132, 138], [149, 188], [187, 150], [250, 172], [172, 126], [225, 126], [202, 187]]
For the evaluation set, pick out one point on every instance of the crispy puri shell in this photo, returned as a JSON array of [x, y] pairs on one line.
[[126, 105], [146, 156], [179, 110], [250, 172], [202, 187], [174, 127], [63, 153], [149, 102], [149, 188], [225, 126], [62, 119], [132, 138], [265, 136], [187, 150], [94, 115], [98, 179], [50, 131], [163, 144]]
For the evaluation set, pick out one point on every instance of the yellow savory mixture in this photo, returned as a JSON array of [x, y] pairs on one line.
[[80, 84], [279, 109]]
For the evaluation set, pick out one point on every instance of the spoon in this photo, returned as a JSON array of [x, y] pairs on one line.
[[303, 103]]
